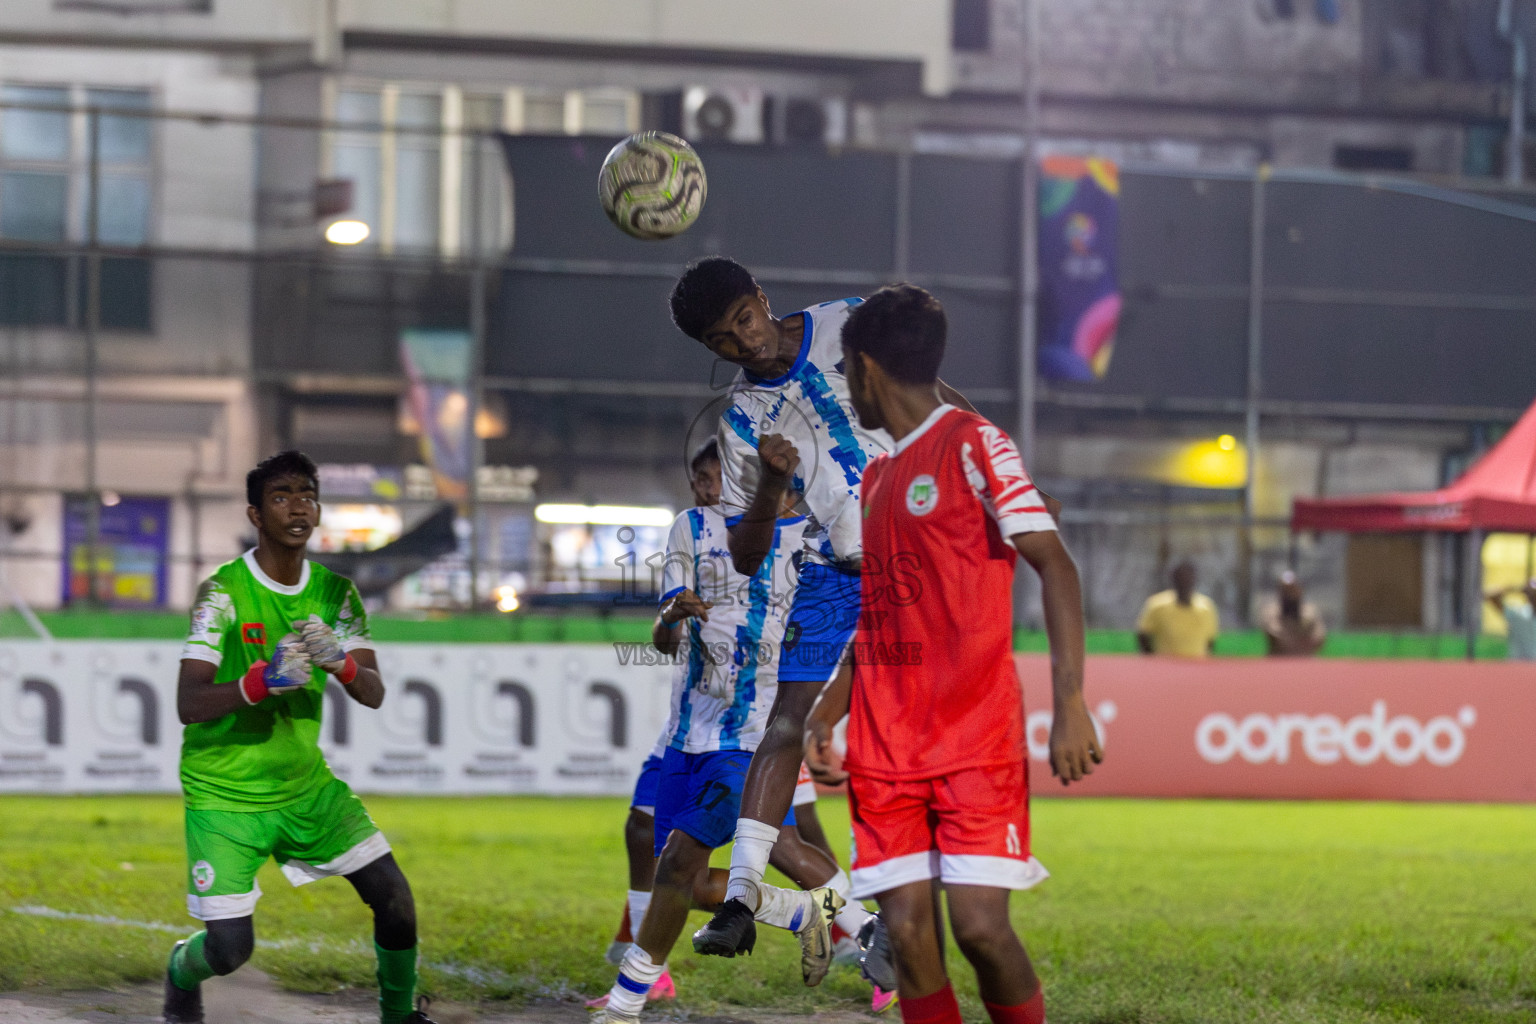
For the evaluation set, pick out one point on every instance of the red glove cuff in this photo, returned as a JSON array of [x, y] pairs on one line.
[[348, 671], [253, 685]]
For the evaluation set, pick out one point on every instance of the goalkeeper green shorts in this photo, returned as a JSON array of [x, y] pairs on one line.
[[327, 832]]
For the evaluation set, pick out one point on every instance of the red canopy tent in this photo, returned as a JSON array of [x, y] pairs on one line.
[[1497, 494]]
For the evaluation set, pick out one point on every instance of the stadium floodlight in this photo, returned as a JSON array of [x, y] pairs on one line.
[[506, 599], [604, 515], [346, 232], [1227, 443]]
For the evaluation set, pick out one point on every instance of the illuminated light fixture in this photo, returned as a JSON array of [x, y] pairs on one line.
[[1218, 463], [111, 499], [346, 232], [603, 515], [506, 599]]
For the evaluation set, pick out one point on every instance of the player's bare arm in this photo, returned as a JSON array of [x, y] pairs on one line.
[[667, 630], [831, 707], [751, 539], [367, 686], [199, 698], [1074, 745], [1052, 505]]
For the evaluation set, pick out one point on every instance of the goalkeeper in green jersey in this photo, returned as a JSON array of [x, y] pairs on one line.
[[269, 630]]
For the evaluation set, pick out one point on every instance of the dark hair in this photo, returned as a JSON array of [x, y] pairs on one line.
[[709, 451], [289, 463], [705, 291], [902, 328]]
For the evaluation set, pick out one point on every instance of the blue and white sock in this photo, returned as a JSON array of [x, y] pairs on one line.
[[636, 976]]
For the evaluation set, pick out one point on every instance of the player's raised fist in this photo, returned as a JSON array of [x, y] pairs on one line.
[[778, 455], [686, 605]]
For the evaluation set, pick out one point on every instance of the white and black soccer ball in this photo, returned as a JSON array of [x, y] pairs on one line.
[[652, 185]]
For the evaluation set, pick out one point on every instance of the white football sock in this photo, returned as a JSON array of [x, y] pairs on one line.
[[749, 859], [783, 908], [853, 915], [636, 976], [639, 903]]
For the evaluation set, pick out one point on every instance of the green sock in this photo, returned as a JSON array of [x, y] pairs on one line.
[[397, 983], [188, 967]]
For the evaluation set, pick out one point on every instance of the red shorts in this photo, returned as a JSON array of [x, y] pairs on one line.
[[967, 828]]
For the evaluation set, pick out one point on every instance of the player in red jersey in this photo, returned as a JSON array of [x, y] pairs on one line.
[[936, 762]]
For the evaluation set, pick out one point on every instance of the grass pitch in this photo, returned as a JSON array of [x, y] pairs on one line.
[[1157, 911]]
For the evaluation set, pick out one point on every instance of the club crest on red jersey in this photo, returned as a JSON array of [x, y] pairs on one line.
[[922, 495]]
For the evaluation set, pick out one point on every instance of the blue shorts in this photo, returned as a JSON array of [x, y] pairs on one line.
[[821, 621], [645, 786], [700, 795]]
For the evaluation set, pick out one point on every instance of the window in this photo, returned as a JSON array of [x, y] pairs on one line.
[[418, 156], [1372, 158], [971, 26], [483, 186], [46, 200], [1436, 39], [356, 158], [415, 181]]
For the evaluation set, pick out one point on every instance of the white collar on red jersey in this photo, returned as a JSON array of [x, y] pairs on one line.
[[922, 428]]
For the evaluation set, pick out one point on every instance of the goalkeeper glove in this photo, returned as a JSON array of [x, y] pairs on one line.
[[325, 650], [288, 670]]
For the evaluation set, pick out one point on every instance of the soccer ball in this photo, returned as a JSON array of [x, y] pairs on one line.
[[652, 185]]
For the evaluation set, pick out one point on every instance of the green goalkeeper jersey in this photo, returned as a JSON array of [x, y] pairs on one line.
[[265, 755]]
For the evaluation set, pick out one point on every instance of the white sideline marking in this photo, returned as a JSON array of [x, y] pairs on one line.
[[64, 915], [475, 975]]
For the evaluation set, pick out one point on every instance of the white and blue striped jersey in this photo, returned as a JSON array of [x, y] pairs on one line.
[[728, 668], [809, 405]]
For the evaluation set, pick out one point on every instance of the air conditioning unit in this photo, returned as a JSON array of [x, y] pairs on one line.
[[793, 120], [712, 114]]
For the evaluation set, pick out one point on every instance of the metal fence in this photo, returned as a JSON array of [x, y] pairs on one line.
[[176, 311]]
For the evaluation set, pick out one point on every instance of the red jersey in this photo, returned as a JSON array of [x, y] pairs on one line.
[[935, 688]]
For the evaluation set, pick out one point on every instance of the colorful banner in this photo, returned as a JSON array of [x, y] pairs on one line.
[[100, 716], [1079, 267], [134, 537], [81, 716], [436, 364], [1298, 728]]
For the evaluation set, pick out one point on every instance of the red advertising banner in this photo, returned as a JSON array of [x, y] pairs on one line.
[[1299, 728]]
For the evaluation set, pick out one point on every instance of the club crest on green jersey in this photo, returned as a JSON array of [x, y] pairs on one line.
[[922, 495]]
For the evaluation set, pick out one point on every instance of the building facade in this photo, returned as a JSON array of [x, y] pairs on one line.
[[171, 311]]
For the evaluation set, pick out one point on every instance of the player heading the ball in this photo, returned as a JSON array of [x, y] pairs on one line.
[[269, 631], [936, 763], [789, 431]]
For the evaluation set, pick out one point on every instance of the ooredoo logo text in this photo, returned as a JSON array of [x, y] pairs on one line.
[[1325, 739]]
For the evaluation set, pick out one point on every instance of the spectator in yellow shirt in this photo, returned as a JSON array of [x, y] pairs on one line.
[[1178, 621]]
